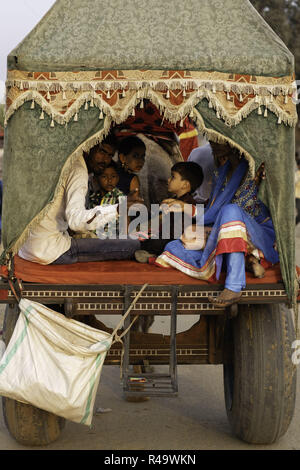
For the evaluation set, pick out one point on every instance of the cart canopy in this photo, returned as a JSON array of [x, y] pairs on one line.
[[204, 35], [89, 63]]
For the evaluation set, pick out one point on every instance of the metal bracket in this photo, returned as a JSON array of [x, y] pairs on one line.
[[233, 311], [70, 308]]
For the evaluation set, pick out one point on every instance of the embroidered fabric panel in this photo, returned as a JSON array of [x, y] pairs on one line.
[[246, 197], [175, 93]]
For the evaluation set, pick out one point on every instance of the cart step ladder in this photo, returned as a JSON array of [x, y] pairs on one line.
[[147, 384]]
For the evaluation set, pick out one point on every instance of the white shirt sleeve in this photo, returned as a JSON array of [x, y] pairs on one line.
[[77, 215]]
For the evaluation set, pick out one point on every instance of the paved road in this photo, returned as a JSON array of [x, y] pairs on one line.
[[195, 420]]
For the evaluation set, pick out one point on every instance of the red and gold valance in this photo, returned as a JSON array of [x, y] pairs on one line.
[[116, 93]]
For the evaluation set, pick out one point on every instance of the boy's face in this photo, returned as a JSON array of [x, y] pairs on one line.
[[176, 185], [134, 160], [108, 179]]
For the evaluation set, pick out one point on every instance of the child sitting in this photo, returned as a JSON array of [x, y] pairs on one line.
[[108, 193], [185, 178], [131, 160]]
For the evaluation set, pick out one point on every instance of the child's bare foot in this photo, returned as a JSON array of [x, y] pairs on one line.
[[254, 266]]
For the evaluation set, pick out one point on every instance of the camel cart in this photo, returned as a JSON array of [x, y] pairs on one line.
[[93, 65]]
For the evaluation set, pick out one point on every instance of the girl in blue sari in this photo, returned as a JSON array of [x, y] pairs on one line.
[[240, 225]]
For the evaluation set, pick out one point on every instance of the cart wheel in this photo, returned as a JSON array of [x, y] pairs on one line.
[[260, 378], [27, 424]]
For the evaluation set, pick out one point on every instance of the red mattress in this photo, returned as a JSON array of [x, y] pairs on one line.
[[117, 272]]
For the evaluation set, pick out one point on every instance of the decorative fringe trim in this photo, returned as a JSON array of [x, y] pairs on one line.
[[175, 114], [171, 112], [215, 136], [217, 85], [84, 147], [51, 111]]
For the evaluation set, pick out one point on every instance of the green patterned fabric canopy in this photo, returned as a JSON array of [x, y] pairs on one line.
[[225, 36], [217, 61]]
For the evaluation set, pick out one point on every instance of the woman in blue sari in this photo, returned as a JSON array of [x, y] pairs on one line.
[[240, 226]]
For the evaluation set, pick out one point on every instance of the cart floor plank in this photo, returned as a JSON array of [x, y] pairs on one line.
[[118, 272]]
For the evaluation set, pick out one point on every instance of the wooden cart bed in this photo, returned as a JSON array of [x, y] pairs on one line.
[[118, 272]]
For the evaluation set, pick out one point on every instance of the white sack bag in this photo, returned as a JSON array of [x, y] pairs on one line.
[[53, 362]]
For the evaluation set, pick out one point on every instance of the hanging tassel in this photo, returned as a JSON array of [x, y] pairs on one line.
[[279, 120], [266, 113], [42, 117], [32, 105], [241, 97], [210, 105], [64, 95], [286, 99], [133, 112], [48, 95], [52, 123], [271, 98], [218, 114], [92, 103], [191, 113], [184, 92], [76, 117], [123, 93], [86, 106], [108, 94], [259, 111], [21, 86], [181, 123], [228, 96], [142, 104], [101, 115], [256, 99], [168, 94], [214, 89]]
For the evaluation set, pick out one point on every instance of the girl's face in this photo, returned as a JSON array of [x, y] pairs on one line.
[[134, 160], [108, 179]]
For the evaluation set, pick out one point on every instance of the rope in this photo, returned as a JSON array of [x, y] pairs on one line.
[[14, 291], [118, 338]]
